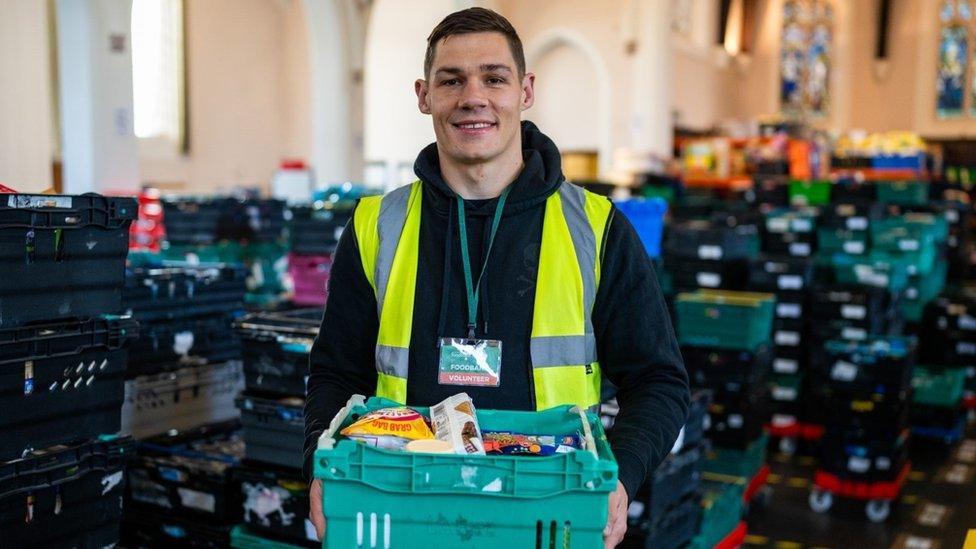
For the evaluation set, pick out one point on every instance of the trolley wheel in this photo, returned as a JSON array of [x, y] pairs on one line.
[[821, 500], [878, 510], [787, 445]]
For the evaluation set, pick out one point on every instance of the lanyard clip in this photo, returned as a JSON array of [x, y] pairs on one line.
[[470, 331]]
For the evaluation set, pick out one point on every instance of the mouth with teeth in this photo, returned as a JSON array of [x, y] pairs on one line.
[[474, 129]]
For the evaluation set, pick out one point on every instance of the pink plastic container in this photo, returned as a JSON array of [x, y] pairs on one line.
[[310, 274]]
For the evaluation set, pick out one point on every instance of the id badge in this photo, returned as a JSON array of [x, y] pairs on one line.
[[471, 362]]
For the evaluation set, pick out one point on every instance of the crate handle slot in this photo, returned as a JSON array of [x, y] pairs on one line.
[[327, 440]]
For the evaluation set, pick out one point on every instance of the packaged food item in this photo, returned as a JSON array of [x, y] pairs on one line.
[[430, 446], [454, 421], [512, 443], [389, 428]]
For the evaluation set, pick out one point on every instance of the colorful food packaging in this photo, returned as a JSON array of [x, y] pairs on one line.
[[389, 428], [454, 421], [512, 443]]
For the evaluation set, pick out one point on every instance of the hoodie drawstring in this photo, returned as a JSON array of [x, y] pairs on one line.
[[446, 282]]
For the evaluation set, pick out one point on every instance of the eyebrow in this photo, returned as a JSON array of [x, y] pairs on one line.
[[487, 67]]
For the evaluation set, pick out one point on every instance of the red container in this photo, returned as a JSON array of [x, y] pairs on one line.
[[310, 274]]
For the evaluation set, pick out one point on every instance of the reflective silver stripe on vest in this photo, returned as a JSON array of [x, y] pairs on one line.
[[393, 361], [562, 350], [584, 241], [389, 225]]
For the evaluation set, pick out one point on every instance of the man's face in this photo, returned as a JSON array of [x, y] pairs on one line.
[[475, 97]]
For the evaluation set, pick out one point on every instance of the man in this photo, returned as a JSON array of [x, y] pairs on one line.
[[493, 246]]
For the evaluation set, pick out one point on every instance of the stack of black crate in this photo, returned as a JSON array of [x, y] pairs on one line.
[[866, 395], [180, 404], [276, 350], [666, 510], [63, 354], [185, 369], [715, 254], [790, 279]]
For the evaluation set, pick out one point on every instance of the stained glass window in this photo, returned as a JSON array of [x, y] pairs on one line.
[[955, 81], [805, 56]]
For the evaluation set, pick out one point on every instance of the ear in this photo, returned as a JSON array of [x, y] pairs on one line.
[[528, 91], [420, 87]]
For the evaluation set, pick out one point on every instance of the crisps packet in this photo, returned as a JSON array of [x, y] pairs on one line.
[[455, 422], [389, 428], [514, 443]]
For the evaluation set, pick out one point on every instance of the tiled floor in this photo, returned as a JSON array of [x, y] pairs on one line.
[[936, 509]]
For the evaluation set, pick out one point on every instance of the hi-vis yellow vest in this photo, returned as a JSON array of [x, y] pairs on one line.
[[562, 347]]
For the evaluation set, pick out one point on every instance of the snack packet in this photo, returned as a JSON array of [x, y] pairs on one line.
[[454, 421], [389, 428], [512, 443]]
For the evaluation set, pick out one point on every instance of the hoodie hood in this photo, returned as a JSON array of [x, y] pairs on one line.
[[540, 177]]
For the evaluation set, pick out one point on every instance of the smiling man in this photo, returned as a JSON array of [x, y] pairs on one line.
[[494, 256]]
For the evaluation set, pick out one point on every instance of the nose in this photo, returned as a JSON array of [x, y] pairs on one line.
[[472, 96]]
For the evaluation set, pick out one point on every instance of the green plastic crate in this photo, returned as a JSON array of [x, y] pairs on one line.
[[942, 388], [905, 193], [810, 193], [737, 465], [721, 512], [922, 289], [909, 232], [891, 274], [240, 538], [267, 266], [831, 241], [658, 191], [918, 263], [470, 501], [729, 320]]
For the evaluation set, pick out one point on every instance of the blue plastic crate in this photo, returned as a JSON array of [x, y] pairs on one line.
[[647, 217], [899, 162]]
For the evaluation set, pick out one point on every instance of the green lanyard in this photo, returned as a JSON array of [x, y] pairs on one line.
[[470, 287]]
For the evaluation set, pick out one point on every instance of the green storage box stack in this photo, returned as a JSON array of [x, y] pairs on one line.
[[724, 319], [471, 501], [831, 241], [810, 193], [938, 387], [721, 513], [903, 193], [909, 232], [923, 288], [267, 264], [737, 465], [890, 273]]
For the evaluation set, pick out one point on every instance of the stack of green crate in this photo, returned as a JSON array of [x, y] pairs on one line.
[[724, 319], [267, 264], [918, 239], [881, 272], [734, 465], [938, 387], [810, 193], [721, 513], [832, 241], [903, 193]]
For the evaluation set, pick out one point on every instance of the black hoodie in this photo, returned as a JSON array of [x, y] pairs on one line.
[[636, 345]]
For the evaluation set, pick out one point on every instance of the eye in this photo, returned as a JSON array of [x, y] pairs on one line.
[[450, 82], [496, 80]]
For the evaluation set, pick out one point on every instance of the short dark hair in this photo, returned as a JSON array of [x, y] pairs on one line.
[[470, 21]]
